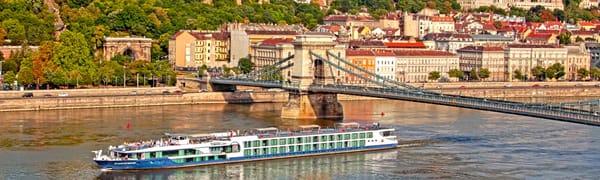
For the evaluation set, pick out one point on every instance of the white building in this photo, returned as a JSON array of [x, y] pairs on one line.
[[385, 64]]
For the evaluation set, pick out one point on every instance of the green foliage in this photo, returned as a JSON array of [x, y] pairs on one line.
[[121, 59], [564, 38], [556, 71], [26, 20], [474, 74], [595, 73], [245, 65], [434, 76], [583, 73], [25, 76], [484, 73], [518, 74], [202, 70], [539, 73], [456, 73], [274, 76], [492, 9], [9, 77]]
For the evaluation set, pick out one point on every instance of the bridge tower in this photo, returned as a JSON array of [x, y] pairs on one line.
[[309, 71]]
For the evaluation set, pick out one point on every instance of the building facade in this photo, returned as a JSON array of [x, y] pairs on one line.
[[364, 59], [524, 57], [137, 48], [577, 58], [385, 64], [415, 65], [191, 49], [484, 57], [594, 50], [271, 51], [505, 4]]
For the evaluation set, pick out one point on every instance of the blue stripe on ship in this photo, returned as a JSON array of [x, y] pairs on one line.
[[158, 163]]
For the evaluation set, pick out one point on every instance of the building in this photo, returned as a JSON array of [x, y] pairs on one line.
[[245, 35], [364, 59], [385, 64], [594, 50], [191, 49], [484, 57], [415, 25], [271, 51], [584, 36], [350, 20], [449, 41], [577, 58], [474, 4], [138, 48], [586, 4], [505, 4], [441, 24], [415, 65], [390, 20], [524, 57], [8, 51]]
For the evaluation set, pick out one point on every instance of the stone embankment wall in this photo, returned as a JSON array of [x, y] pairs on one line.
[[26, 104], [503, 84]]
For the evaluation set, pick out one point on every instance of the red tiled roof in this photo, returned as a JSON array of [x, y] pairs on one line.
[[404, 44], [276, 41], [422, 53], [481, 48], [489, 27], [548, 31], [354, 52]]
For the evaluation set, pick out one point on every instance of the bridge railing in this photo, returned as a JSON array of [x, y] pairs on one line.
[[555, 112]]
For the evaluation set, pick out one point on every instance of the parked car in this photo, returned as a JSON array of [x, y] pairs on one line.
[[178, 92], [165, 92], [133, 93], [27, 95], [202, 90], [63, 95], [536, 86], [47, 95]]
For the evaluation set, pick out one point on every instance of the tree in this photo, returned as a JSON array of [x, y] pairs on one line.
[[412, 6], [579, 39], [25, 76], [595, 73], [245, 65], [72, 53], [564, 38], [518, 74], [2, 35], [9, 77], [40, 59], [582, 73], [539, 73], [434, 76], [484, 73], [556, 71], [15, 31], [456, 73], [474, 74], [273, 76], [202, 70]]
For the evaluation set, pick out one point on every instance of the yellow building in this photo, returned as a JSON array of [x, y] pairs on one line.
[[362, 58], [190, 49], [524, 57], [577, 58]]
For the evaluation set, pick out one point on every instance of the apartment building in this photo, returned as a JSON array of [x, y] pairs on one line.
[[415, 65], [524, 57], [191, 49], [484, 57]]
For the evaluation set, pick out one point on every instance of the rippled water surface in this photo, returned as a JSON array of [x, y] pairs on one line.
[[442, 142]]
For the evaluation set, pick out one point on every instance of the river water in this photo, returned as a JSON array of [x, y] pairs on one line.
[[442, 142]]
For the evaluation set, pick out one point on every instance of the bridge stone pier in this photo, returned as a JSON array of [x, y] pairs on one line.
[[308, 71]]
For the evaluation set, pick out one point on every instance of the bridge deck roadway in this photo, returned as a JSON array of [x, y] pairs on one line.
[[541, 111]]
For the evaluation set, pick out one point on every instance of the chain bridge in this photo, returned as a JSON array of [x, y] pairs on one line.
[[318, 71]]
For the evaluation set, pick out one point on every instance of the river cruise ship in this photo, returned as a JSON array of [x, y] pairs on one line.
[[180, 150]]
